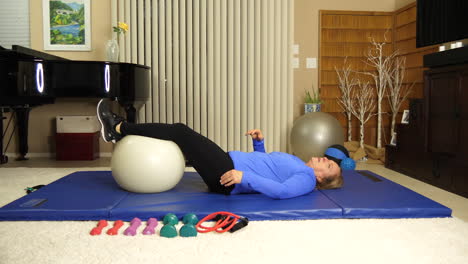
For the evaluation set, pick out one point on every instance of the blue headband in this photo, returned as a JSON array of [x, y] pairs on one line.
[[336, 153]]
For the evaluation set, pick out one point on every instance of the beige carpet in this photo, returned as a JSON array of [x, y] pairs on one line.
[[438, 240]]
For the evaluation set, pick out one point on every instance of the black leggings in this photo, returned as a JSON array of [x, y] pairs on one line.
[[206, 157]]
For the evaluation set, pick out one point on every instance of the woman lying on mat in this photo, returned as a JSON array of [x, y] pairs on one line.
[[276, 174]]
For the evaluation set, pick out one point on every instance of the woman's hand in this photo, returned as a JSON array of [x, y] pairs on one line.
[[231, 177], [255, 134]]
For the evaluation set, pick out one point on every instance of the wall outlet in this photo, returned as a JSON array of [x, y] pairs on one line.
[[295, 63], [295, 49], [311, 63]]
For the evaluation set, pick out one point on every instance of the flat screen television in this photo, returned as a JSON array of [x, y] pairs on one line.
[[440, 21]]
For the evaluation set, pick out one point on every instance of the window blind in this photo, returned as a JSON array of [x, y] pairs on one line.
[[14, 23]]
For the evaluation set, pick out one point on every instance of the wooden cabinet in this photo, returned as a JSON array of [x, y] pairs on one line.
[[463, 115], [460, 177], [444, 94], [433, 147]]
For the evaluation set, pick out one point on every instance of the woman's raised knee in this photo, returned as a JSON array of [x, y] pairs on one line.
[[181, 129], [180, 126]]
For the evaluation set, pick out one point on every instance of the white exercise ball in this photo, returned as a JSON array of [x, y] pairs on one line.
[[147, 165]]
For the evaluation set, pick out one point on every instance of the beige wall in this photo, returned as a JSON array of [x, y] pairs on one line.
[[306, 35], [401, 3], [100, 29]]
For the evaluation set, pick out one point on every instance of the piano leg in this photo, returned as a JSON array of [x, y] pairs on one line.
[[131, 113], [3, 158], [22, 118]]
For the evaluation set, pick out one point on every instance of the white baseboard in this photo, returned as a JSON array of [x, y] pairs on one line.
[[33, 155], [52, 155]]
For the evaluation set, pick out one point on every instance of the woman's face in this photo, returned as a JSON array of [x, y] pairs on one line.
[[323, 167]]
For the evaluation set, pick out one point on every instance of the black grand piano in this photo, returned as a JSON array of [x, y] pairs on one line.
[[29, 78]]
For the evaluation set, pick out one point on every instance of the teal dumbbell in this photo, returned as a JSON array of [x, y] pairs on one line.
[[169, 230], [189, 229], [170, 219]]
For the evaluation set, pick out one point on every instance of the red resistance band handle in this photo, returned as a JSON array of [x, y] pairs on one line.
[[225, 221]]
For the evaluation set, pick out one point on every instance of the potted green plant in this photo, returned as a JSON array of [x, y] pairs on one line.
[[312, 103]]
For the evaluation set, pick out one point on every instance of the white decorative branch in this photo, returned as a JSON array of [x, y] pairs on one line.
[[397, 93], [346, 85], [363, 108], [383, 64]]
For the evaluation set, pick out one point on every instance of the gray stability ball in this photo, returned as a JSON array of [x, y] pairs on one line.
[[313, 133]]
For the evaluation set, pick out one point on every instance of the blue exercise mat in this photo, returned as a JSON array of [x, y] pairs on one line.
[[365, 194], [94, 195], [86, 195]]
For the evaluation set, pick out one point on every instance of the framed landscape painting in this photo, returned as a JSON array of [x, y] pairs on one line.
[[67, 25]]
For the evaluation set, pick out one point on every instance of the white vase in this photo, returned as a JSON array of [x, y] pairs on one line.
[[112, 50]]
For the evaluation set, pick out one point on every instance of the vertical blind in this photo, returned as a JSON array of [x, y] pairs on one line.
[[14, 23], [220, 66]]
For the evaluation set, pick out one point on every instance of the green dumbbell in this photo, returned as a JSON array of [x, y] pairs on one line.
[[189, 229], [170, 219], [190, 218], [169, 230]]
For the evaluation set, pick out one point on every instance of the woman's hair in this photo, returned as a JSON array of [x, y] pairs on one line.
[[331, 182]]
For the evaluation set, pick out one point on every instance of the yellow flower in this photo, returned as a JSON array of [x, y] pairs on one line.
[[121, 28]]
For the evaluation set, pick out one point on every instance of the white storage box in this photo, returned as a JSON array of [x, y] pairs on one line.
[[77, 124]]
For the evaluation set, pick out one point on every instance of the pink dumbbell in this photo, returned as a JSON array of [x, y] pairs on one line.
[[115, 230], [132, 229], [97, 230], [150, 226]]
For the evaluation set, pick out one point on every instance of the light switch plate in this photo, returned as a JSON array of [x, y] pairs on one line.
[[295, 49], [295, 63], [311, 63]]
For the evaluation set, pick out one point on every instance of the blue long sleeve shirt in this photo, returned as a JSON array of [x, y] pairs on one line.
[[278, 175]]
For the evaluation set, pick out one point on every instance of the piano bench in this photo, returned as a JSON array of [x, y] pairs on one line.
[[77, 146]]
